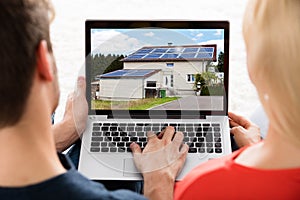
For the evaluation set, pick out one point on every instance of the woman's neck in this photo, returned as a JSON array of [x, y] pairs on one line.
[[276, 152]]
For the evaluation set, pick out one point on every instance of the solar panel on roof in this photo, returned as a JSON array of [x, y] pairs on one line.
[[206, 49], [170, 55], [188, 55], [159, 50], [135, 56], [128, 73], [153, 55], [115, 73], [190, 50], [204, 55], [174, 50], [148, 50]]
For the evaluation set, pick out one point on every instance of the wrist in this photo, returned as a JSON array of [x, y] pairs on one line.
[[158, 185], [65, 134]]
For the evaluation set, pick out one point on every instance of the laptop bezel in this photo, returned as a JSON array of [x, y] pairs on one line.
[[176, 24]]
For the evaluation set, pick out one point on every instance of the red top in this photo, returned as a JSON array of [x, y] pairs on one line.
[[224, 179]]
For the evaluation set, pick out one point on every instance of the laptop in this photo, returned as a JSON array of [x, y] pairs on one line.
[[145, 75]]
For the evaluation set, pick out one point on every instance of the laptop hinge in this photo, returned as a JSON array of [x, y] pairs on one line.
[[156, 117]]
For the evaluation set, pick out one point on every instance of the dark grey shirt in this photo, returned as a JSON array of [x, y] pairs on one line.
[[70, 185]]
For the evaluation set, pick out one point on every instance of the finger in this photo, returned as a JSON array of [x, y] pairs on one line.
[[183, 151], [81, 86], [242, 121], [233, 123], [169, 133], [135, 148], [151, 135], [178, 138], [238, 130], [160, 135]]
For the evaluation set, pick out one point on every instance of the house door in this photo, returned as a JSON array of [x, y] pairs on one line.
[[168, 81]]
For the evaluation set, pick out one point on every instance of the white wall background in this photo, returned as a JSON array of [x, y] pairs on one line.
[[67, 32]]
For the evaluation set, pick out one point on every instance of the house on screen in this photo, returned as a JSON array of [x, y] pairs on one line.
[[158, 71]]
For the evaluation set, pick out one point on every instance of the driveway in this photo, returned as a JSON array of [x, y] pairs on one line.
[[193, 103]]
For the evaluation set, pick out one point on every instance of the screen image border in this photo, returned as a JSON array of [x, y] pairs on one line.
[[166, 24]]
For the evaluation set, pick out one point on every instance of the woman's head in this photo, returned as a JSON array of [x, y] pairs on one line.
[[272, 36]]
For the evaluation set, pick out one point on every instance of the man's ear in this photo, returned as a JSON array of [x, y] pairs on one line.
[[44, 61]]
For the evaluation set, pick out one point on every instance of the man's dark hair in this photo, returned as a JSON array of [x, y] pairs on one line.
[[23, 24]]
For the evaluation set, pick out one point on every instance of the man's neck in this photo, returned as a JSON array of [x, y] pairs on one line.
[[27, 154]]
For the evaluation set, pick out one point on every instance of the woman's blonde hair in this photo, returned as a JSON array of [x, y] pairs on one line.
[[272, 35]]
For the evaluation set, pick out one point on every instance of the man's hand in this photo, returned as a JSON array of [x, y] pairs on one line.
[[73, 124], [244, 131], [160, 162]]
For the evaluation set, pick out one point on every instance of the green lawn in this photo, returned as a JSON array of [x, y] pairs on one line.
[[141, 104]]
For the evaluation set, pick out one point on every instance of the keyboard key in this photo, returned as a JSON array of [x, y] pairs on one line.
[[97, 139], [95, 144], [140, 134], [201, 150], [217, 139], [103, 144], [96, 128], [97, 124], [95, 149], [104, 149], [216, 129], [218, 150], [209, 150], [120, 144], [104, 128], [113, 128], [115, 133], [217, 134], [209, 144], [116, 139], [218, 144], [113, 149], [133, 139], [96, 133], [192, 150]]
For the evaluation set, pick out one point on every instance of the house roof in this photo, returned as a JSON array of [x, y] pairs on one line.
[[174, 53], [130, 73]]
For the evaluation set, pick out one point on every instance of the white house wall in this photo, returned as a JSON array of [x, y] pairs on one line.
[[179, 70], [121, 89]]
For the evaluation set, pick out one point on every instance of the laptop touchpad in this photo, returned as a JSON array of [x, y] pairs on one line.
[[129, 168]]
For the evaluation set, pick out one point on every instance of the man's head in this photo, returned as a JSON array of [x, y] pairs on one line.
[[24, 24]]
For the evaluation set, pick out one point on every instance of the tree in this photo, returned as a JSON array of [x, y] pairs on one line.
[[209, 77], [199, 81], [221, 62], [116, 64]]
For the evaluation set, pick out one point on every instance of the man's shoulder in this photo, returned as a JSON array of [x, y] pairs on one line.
[[70, 185]]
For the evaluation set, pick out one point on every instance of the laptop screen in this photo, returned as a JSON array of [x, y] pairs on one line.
[[143, 68]]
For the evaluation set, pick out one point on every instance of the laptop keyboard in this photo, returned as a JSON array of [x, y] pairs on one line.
[[117, 137]]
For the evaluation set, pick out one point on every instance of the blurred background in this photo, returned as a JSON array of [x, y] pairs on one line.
[[67, 32]]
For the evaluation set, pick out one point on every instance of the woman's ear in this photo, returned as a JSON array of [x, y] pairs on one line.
[[44, 67]]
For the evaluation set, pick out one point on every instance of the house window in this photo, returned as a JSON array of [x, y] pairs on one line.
[[190, 78], [151, 84], [170, 64], [171, 84]]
